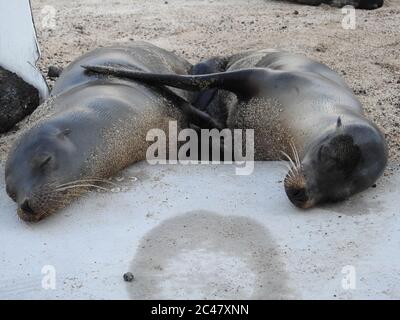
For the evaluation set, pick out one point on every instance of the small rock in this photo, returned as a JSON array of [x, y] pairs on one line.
[[128, 277], [79, 28], [295, 12], [321, 48], [54, 71], [360, 91]]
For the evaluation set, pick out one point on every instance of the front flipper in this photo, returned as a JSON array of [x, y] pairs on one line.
[[194, 116], [197, 117], [244, 83]]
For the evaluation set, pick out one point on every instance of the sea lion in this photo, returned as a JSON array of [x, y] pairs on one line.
[[97, 126], [295, 105], [358, 4]]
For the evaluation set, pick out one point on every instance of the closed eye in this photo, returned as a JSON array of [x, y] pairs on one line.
[[45, 162]]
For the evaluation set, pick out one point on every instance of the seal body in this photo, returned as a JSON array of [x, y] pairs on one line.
[[299, 109], [97, 126]]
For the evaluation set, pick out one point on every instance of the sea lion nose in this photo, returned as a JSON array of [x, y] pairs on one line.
[[26, 207], [298, 196]]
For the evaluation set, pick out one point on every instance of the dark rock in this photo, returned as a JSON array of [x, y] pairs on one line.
[[360, 91], [17, 99], [128, 277], [54, 71]]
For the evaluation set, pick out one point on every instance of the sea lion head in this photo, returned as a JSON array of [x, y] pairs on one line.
[[39, 169], [344, 160]]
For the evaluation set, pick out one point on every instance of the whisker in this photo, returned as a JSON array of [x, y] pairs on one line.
[[87, 180], [290, 160], [52, 197], [295, 154], [288, 168], [82, 186]]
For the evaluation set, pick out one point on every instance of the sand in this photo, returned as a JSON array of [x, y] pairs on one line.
[[367, 57]]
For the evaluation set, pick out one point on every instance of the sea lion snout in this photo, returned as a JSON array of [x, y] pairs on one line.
[[297, 191], [25, 211], [299, 197], [30, 198], [25, 206]]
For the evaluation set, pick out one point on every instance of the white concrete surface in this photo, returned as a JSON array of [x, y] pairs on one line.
[[203, 232], [19, 50]]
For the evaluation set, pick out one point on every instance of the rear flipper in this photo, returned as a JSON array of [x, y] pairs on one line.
[[245, 83]]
